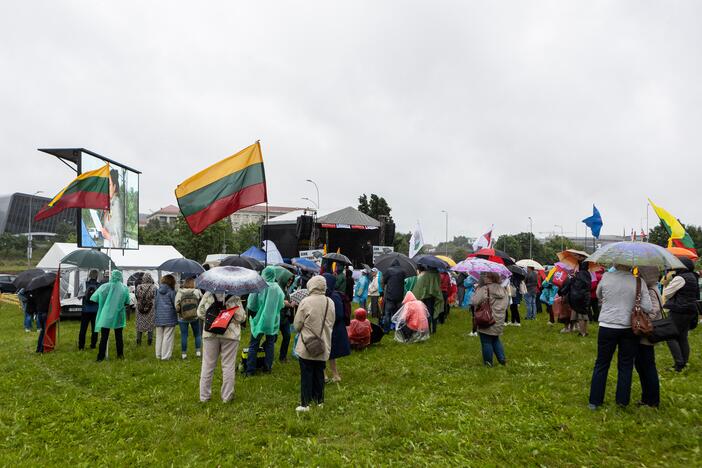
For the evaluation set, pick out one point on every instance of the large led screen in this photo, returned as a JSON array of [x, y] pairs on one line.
[[117, 228]]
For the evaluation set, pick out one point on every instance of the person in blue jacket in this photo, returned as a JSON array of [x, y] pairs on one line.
[[360, 295]]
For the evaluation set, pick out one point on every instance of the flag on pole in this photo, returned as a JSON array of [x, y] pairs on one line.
[[678, 236], [89, 190], [416, 241], [53, 316], [594, 222], [226, 187], [483, 242]]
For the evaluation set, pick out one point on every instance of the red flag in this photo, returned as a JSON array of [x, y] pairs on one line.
[[52, 318]]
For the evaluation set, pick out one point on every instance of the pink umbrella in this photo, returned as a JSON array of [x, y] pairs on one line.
[[475, 266]]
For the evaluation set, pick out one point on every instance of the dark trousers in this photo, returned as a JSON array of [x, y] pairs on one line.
[[472, 313], [594, 309], [680, 347], [389, 309], [429, 302], [626, 344], [375, 308], [461, 294], [645, 364], [149, 337], [539, 304], [285, 333], [549, 309], [514, 309], [41, 325], [443, 315], [311, 381], [104, 334], [268, 347], [87, 319]]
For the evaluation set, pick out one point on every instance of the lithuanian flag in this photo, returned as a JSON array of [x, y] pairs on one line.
[[678, 236], [236, 182], [89, 190]]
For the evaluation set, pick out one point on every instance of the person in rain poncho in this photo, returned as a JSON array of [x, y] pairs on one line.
[[112, 299], [284, 278], [428, 290], [409, 283], [264, 308], [359, 330], [411, 321], [340, 346], [360, 295]]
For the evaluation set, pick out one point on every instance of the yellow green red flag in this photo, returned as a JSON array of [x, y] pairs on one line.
[[678, 236], [89, 190]]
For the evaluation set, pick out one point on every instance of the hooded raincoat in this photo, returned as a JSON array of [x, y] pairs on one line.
[[112, 299], [145, 294], [429, 285], [411, 321], [267, 305], [360, 329], [340, 345], [361, 292]]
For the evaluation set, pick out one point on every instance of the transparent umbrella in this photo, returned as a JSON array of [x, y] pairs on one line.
[[635, 254]]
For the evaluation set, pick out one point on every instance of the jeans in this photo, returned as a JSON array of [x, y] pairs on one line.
[[530, 300], [285, 334], [430, 303], [87, 319], [627, 346], [389, 309], [645, 364], [197, 334], [41, 325], [680, 347], [268, 347], [492, 345], [28, 320], [311, 381], [102, 350]]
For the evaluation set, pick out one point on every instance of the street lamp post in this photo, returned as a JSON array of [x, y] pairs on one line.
[[446, 213], [29, 229], [531, 235], [316, 188], [562, 236], [311, 201]]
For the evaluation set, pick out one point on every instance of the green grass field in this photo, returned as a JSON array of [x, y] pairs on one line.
[[426, 404]]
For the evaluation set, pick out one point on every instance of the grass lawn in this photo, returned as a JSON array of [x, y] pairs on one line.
[[426, 404]]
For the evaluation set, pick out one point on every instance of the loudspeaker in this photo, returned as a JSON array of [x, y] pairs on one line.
[[305, 224], [389, 233]]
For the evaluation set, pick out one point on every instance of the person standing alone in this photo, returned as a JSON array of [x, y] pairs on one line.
[[532, 286], [88, 312]]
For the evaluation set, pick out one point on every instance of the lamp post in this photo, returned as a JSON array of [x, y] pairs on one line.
[[446, 245], [29, 229], [562, 236], [531, 235], [316, 188], [311, 201]]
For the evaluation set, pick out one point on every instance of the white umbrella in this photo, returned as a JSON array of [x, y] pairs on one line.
[[526, 263]]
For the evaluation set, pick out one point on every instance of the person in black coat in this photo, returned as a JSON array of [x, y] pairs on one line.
[[578, 290], [681, 294], [38, 302], [340, 345], [393, 281]]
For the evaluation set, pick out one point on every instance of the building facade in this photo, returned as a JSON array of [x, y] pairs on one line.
[[17, 212], [257, 214], [166, 215]]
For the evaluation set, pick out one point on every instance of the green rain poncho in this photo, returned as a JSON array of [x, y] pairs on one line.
[[282, 276], [112, 298], [429, 285], [409, 283], [267, 305]]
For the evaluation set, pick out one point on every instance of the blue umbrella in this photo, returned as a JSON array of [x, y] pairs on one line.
[[306, 264], [255, 252], [233, 280], [182, 265], [431, 261]]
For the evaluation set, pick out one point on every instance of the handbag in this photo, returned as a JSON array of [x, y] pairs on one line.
[[664, 329], [640, 321], [315, 345], [483, 315], [220, 324], [561, 308]]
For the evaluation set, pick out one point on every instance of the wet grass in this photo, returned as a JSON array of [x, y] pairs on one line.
[[427, 404]]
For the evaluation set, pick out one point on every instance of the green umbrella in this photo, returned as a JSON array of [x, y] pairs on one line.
[[88, 259]]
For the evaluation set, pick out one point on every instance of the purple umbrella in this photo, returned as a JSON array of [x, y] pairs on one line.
[[233, 280], [475, 266]]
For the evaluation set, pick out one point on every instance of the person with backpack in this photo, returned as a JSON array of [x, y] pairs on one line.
[[219, 343], [577, 289], [145, 294], [88, 312], [680, 296], [165, 317], [187, 300]]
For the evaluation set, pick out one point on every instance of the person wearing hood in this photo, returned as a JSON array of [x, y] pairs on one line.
[[112, 299], [88, 312], [411, 321], [314, 321], [220, 346], [680, 296], [165, 317], [428, 290], [490, 289], [645, 360], [145, 295], [340, 345], [187, 300], [359, 330], [360, 295], [578, 289], [264, 308], [284, 278], [393, 282]]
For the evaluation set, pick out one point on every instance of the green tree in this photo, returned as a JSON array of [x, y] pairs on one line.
[[375, 206], [66, 233], [363, 204], [659, 235], [401, 243]]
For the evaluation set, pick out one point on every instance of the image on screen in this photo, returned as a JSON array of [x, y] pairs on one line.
[[117, 228]]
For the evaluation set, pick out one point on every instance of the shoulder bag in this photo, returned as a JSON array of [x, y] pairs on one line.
[[663, 329], [315, 345], [640, 321], [483, 316]]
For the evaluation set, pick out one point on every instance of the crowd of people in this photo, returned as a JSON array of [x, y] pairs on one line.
[[314, 313]]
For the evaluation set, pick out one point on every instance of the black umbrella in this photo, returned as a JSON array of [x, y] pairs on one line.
[[22, 280], [431, 261], [89, 259], [42, 281], [135, 279], [338, 258], [377, 333], [384, 262], [240, 261], [290, 268], [182, 265], [517, 270]]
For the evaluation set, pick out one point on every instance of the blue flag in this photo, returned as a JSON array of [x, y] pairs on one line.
[[594, 222]]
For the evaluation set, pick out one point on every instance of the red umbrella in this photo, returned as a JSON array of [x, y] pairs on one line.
[[493, 255]]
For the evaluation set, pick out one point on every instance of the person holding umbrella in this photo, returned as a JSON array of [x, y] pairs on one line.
[[680, 296], [340, 346], [112, 299], [285, 279], [490, 289], [39, 297], [89, 311], [264, 310], [428, 290], [393, 284]]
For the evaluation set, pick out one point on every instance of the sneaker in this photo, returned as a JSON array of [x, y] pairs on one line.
[[198, 353], [302, 409], [183, 356], [517, 324], [320, 405], [27, 330], [550, 324], [565, 330], [592, 407]]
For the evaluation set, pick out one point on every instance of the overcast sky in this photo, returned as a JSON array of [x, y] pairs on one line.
[[494, 111]]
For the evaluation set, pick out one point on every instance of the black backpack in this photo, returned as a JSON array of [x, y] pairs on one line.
[[212, 313], [89, 291]]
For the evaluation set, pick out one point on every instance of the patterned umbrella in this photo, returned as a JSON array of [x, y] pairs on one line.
[[635, 254], [475, 266], [233, 280], [299, 295]]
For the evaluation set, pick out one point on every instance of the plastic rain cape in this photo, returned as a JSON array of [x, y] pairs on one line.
[[411, 321], [112, 298]]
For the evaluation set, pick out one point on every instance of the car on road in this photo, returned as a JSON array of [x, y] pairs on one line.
[[6, 285]]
